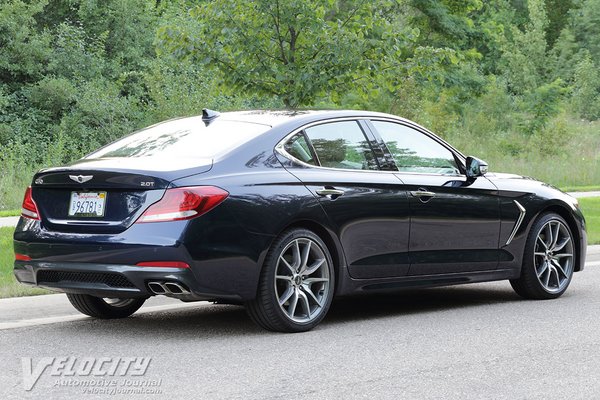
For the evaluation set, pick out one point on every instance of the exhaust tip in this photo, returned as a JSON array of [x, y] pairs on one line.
[[176, 288], [167, 288], [157, 288]]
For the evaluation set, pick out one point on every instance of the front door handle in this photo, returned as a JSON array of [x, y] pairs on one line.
[[330, 192]]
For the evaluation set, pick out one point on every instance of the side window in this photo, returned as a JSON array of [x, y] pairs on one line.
[[299, 148], [341, 145], [414, 151]]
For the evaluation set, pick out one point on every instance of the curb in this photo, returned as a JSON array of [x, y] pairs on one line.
[[580, 195], [8, 221]]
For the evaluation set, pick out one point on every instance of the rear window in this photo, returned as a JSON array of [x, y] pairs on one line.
[[183, 138]]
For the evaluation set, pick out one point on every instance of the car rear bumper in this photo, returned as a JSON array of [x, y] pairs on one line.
[[113, 280], [218, 269]]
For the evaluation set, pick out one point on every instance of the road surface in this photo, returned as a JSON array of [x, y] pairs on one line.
[[466, 342]]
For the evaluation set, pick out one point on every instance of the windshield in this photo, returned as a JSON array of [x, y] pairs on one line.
[[183, 138]]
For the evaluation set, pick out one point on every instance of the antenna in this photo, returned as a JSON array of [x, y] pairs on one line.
[[209, 115]]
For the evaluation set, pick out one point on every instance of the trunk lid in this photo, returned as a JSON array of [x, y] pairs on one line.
[[103, 196]]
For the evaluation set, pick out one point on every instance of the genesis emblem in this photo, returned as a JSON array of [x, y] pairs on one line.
[[81, 178]]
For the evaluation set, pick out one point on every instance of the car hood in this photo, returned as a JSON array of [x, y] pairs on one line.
[[521, 185]]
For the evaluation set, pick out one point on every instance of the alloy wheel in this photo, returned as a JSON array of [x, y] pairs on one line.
[[553, 256], [302, 280]]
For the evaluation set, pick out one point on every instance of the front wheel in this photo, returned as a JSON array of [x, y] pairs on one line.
[[296, 284], [548, 261], [105, 308]]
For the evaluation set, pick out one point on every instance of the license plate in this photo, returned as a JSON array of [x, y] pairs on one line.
[[87, 204]]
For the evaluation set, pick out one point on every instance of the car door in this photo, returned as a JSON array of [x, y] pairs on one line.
[[367, 207], [455, 221]]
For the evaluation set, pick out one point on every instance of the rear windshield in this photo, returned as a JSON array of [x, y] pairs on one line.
[[183, 138]]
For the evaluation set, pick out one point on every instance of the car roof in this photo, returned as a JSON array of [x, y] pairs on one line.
[[277, 117], [287, 120]]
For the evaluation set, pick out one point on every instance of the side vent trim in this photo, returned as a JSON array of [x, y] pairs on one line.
[[518, 223]]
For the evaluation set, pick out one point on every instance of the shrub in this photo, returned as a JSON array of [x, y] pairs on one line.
[[53, 95], [586, 90]]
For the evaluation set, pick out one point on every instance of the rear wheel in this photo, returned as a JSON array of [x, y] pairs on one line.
[[296, 284], [548, 261], [105, 308]]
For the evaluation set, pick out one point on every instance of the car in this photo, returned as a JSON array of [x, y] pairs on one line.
[[282, 211]]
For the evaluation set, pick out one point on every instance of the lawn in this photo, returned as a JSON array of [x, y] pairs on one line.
[[10, 213], [9, 287], [591, 210], [591, 188]]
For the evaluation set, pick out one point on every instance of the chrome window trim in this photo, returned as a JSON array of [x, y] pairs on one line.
[[280, 146], [425, 132]]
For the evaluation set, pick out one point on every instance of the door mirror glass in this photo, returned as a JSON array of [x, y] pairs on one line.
[[476, 167]]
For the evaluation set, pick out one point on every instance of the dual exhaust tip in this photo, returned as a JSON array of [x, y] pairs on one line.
[[167, 288]]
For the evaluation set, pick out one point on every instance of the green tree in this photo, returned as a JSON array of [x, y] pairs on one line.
[[446, 22], [24, 51], [558, 18], [585, 21], [542, 104], [294, 50], [525, 56], [586, 93], [564, 55]]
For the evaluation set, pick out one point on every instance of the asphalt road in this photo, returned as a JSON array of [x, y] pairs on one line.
[[465, 342]]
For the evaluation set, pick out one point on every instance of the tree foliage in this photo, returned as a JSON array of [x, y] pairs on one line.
[[75, 74], [525, 58], [294, 50]]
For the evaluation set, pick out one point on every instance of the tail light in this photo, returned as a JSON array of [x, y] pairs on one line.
[[29, 208], [184, 203]]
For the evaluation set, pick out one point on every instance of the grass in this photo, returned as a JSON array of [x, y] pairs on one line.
[[565, 154], [591, 210], [16, 176], [9, 287], [10, 213], [589, 188]]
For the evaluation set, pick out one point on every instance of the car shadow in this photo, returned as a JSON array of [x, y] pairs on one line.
[[417, 301], [229, 320]]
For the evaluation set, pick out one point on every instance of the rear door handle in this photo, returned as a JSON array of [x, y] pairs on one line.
[[422, 193], [330, 192]]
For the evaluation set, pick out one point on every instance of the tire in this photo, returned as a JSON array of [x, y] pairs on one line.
[[548, 259], [99, 307], [296, 284]]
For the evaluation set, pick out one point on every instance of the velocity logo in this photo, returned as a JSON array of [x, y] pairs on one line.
[[82, 367]]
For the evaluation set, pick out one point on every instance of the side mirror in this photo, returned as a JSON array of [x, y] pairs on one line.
[[476, 167]]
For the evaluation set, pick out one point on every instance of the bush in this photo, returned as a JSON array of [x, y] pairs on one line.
[[554, 137], [100, 116], [53, 95], [542, 104], [586, 90], [16, 176]]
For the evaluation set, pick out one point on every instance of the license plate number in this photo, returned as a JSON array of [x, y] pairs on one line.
[[87, 204]]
